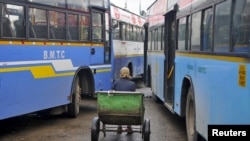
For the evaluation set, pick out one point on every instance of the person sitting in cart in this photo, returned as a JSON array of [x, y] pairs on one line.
[[124, 83]]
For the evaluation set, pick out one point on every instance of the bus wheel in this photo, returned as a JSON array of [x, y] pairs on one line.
[[74, 106], [190, 116]]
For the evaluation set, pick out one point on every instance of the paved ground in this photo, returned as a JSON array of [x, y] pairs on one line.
[[164, 125]]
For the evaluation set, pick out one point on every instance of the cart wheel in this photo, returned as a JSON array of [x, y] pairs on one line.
[[95, 129], [146, 130], [104, 129]]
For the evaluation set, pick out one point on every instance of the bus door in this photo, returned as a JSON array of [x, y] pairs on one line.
[[100, 36], [145, 42], [169, 52]]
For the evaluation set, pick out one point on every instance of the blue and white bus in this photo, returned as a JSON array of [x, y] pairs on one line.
[[198, 61], [52, 53], [128, 32]]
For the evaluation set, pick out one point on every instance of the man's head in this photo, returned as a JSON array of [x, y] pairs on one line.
[[124, 73]]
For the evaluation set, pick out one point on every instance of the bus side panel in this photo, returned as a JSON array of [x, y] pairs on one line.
[[22, 93], [217, 90], [98, 56], [38, 77], [103, 78], [156, 61]]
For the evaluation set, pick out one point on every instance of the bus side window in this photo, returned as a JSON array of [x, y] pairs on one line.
[[20, 27], [57, 22], [116, 29], [222, 28], [207, 30], [97, 26], [32, 33], [244, 33], [122, 31], [38, 23], [84, 28], [19, 23], [73, 33], [241, 27], [6, 23], [7, 29]]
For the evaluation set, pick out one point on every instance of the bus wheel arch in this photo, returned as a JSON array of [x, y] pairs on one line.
[[83, 83], [186, 83], [188, 101], [87, 82]]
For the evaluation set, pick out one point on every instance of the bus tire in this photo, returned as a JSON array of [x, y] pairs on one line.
[[95, 129], [74, 106], [192, 134]]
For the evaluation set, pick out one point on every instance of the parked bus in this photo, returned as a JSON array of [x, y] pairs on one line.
[[198, 59], [128, 32], [52, 53]]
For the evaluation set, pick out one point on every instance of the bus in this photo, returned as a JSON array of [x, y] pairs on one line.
[[52, 53], [128, 32], [197, 61]]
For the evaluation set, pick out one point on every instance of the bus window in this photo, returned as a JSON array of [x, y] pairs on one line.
[[13, 21], [188, 34], [154, 47], [128, 33], [195, 38], [38, 19], [137, 34], [181, 33], [222, 22], [132, 37], [121, 30], [116, 29], [97, 26], [84, 27], [149, 40], [134, 31], [141, 34], [207, 30], [73, 27], [78, 5], [159, 39], [153, 40], [57, 24], [156, 39], [241, 26], [162, 38], [9, 15]]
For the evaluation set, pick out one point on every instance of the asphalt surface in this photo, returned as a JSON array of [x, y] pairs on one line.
[[164, 125]]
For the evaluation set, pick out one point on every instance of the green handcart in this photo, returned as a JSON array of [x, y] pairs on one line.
[[120, 108]]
